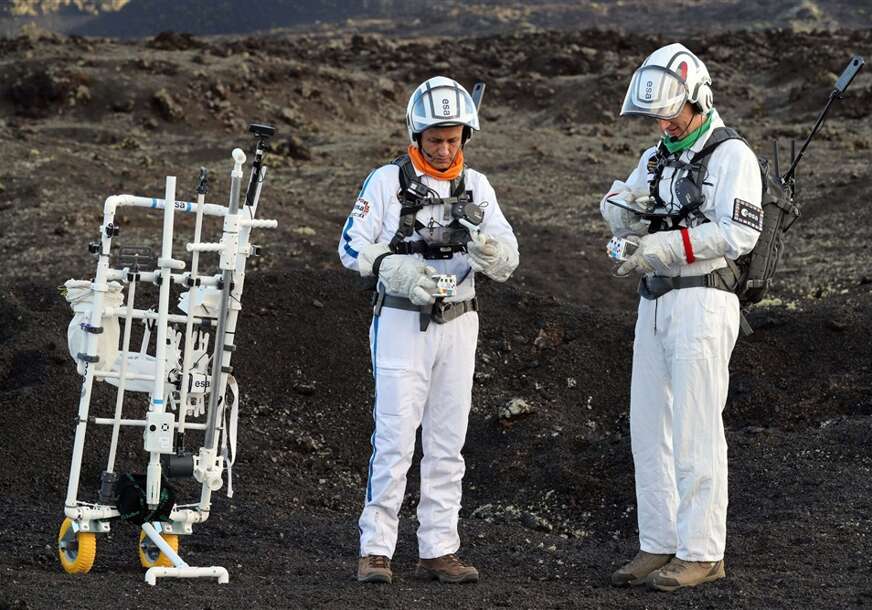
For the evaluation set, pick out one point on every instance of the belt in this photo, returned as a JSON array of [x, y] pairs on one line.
[[653, 287], [439, 312]]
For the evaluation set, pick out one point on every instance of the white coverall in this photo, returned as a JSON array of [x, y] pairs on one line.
[[681, 355], [421, 378]]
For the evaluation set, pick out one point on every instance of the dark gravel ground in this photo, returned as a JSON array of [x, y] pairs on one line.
[[798, 431], [548, 498]]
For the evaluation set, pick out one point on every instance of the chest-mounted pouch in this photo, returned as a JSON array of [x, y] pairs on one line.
[[688, 188], [414, 191], [467, 210], [688, 198]]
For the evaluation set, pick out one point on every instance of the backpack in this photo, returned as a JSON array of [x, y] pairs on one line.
[[750, 275]]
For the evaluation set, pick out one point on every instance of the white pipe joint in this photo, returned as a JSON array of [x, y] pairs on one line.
[[188, 516], [152, 574], [232, 223], [228, 254], [204, 247], [77, 284], [208, 468], [238, 160], [259, 223], [82, 514], [170, 263], [154, 535]]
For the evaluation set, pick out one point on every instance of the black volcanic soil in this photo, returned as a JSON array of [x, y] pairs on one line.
[[549, 508]]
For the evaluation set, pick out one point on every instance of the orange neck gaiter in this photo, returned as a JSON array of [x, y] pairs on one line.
[[422, 165]]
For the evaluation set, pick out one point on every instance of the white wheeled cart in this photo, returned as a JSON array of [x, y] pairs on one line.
[[185, 380]]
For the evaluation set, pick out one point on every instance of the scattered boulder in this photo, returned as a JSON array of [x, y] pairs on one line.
[[548, 337], [174, 41], [515, 408], [512, 514], [294, 148], [166, 105], [39, 90], [535, 522], [304, 388]]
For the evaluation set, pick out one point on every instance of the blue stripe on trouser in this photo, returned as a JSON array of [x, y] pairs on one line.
[[374, 403]]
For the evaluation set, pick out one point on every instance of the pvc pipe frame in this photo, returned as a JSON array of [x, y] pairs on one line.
[[134, 423], [181, 569], [158, 406], [221, 355], [239, 254], [189, 323]]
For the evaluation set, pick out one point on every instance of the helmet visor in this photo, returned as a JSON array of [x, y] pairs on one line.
[[655, 92]]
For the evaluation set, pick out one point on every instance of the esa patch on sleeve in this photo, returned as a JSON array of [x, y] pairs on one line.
[[747, 214], [361, 208]]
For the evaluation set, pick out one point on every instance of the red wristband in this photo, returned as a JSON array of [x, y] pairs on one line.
[[688, 247]]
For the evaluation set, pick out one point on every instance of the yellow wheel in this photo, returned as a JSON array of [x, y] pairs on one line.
[[150, 556], [76, 549]]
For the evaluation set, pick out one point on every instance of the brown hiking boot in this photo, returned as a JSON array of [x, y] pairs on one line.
[[447, 568], [637, 570], [374, 568], [679, 573]]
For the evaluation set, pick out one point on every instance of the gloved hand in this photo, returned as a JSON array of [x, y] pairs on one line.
[[624, 222], [367, 256], [406, 276], [490, 256], [656, 253]]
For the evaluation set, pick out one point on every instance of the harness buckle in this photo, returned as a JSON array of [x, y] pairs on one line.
[[439, 309]]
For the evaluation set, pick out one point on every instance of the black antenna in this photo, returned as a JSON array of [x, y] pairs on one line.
[[775, 159], [263, 133], [478, 93], [854, 66], [203, 182]]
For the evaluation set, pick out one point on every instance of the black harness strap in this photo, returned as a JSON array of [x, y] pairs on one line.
[[412, 198], [698, 170]]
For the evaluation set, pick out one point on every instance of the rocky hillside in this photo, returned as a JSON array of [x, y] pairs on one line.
[[138, 18]]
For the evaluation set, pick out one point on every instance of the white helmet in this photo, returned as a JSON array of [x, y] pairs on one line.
[[440, 102], [668, 78]]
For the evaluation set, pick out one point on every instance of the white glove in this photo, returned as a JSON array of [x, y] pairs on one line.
[[406, 276], [490, 256], [367, 255], [624, 222], [656, 253]]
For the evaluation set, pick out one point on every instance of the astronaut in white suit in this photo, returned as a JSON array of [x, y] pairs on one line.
[[699, 216], [422, 217]]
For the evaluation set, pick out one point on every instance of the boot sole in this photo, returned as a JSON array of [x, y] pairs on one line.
[[428, 575], [671, 588], [375, 578], [630, 583]]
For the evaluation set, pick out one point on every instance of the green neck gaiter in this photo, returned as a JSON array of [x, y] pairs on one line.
[[674, 146]]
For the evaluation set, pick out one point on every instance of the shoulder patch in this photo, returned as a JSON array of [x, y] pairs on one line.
[[746, 214], [361, 208]]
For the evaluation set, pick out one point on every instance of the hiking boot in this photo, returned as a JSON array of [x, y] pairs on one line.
[[637, 570], [374, 568], [679, 573], [447, 568]]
